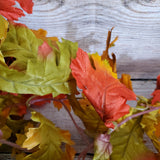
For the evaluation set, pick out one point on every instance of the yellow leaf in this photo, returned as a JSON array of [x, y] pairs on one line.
[[151, 124], [90, 118], [3, 29], [69, 153], [6, 132], [103, 64], [47, 138]]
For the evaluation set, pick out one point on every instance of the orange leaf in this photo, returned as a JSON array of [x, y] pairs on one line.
[[65, 101], [41, 34], [126, 80], [107, 94]]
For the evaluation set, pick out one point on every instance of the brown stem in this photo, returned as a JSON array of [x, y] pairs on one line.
[[14, 145]]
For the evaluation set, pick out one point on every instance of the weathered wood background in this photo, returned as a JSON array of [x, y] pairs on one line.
[[136, 22]]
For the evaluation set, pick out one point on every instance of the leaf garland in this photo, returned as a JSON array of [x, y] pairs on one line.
[[35, 69]]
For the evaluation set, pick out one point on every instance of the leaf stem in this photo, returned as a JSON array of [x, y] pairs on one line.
[[136, 115]]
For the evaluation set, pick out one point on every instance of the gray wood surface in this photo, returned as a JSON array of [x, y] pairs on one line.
[[136, 22]]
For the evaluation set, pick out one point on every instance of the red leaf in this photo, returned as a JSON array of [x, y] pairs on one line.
[[107, 94], [8, 10], [44, 50], [156, 96], [156, 93]]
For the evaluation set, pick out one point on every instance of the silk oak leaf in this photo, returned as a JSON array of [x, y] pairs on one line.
[[48, 138], [106, 94]]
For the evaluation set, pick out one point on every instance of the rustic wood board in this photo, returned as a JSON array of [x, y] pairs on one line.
[[87, 22]]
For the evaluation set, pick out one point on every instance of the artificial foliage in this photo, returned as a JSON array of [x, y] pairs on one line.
[[36, 69]]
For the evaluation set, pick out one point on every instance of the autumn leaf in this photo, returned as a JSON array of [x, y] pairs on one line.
[[58, 104], [13, 105], [4, 28], [6, 132], [42, 34], [156, 93], [103, 147], [91, 120], [69, 153], [8, 9], [127, 141], [156, 97], [28, 74], [48, 138], [126, 80], [106, 94], [151, 125], [148, 156], [105, 55]]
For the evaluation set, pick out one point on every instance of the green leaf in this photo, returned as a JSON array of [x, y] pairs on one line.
[[30, 74], [48, 138], [127, 141]]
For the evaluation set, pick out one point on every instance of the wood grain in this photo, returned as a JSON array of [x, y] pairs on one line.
[[136, 23]]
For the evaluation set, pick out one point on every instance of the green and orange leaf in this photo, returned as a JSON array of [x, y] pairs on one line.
[[27, 74]]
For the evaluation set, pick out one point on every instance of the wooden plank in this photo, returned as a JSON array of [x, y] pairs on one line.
[[87, 22]]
